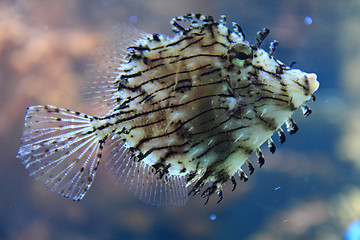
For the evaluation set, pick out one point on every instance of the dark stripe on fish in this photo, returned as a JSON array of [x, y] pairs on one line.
[[222, 132], [198, 55], [178, 127], [214, 43], [192, 43]]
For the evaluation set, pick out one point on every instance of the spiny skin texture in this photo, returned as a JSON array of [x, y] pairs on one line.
[[187, 110]]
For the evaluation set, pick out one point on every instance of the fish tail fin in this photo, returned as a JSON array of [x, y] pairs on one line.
[[59, 147]]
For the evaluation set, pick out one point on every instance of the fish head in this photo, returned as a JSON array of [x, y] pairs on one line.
[[269, 77]]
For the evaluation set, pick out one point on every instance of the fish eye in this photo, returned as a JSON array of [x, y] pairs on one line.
[[238, 53], [241, 55]]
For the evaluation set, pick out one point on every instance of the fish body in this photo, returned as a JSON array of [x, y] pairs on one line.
[[181, 112]]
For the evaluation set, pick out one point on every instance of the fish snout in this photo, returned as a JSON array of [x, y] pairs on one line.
[[313, 83]]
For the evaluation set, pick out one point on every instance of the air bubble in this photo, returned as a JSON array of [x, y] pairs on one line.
[[212, 217], [133, 19], [308, 20]]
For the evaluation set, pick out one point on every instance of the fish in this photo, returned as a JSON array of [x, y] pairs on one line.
[[180, 115]]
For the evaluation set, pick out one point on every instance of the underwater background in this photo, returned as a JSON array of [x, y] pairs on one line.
[[309, 189]]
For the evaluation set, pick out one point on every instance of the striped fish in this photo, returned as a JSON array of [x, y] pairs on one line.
[[181, 112]]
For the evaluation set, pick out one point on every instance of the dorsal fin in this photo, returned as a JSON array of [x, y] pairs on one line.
[[104, 66], [141, 179]]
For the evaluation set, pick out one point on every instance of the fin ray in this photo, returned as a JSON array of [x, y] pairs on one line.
[[60, 148], [140, 178], [104, 66]]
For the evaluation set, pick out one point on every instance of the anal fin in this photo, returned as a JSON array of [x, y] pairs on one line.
[[141, 179]]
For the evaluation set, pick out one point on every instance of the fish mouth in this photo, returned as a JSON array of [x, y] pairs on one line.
[[313, 83]]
